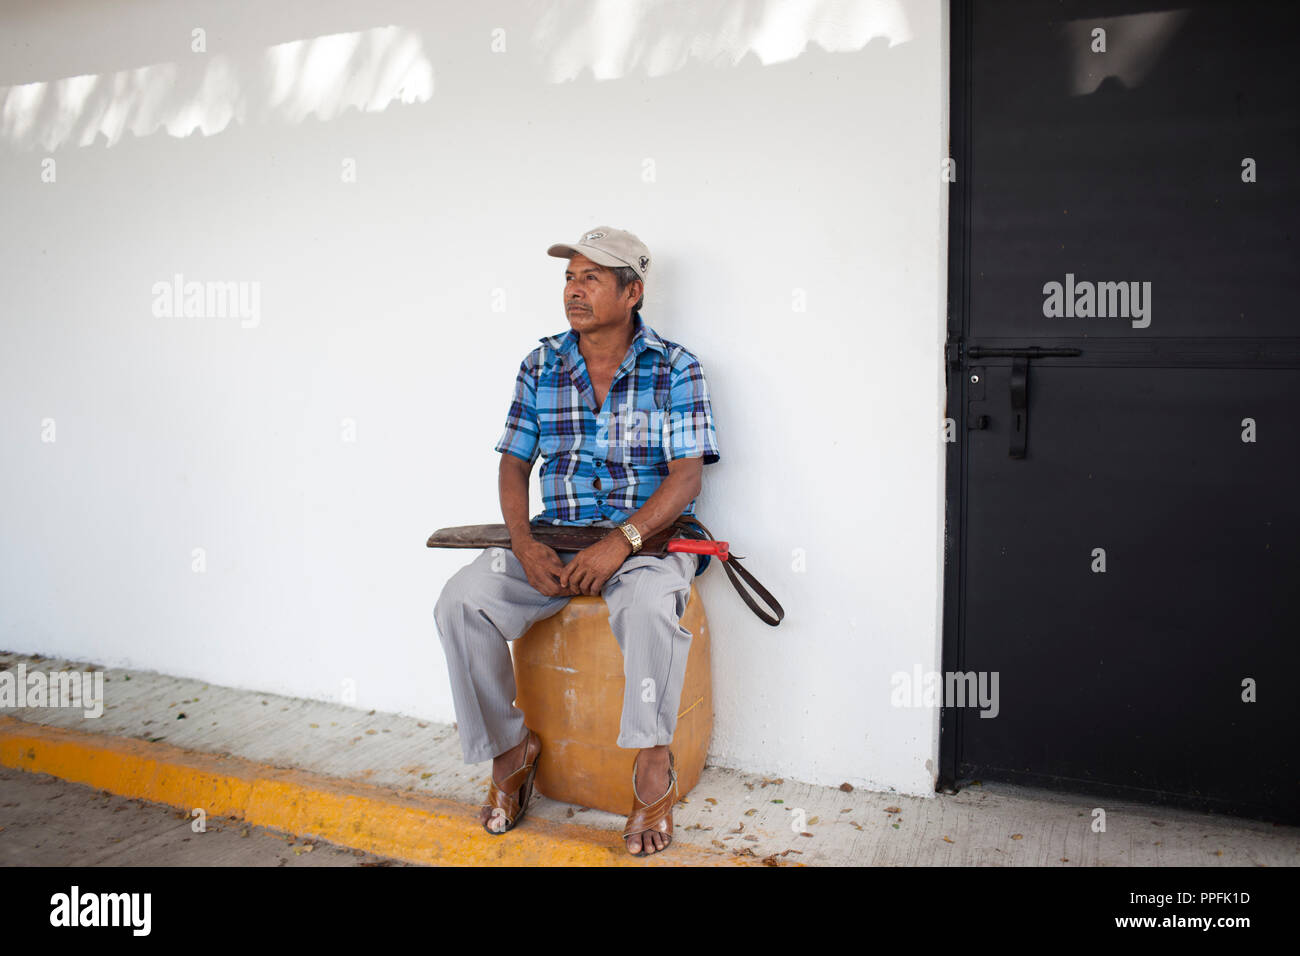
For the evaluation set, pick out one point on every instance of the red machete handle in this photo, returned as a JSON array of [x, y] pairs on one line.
[[694, 546]]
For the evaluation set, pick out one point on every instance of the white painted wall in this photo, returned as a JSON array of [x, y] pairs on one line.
[[795, 149]]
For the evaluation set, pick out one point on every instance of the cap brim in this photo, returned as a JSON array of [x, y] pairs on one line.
[[562, 250]]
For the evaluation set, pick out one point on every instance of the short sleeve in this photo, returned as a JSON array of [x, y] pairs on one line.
[[520, 435], [689, 430]]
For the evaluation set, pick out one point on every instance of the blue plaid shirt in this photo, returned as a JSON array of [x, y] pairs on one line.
[[657, 410]]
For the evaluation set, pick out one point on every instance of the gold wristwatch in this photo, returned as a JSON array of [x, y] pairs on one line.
[[633, 536]]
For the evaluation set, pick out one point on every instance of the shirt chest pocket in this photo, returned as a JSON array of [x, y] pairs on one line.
[[560, 418], [637, 427]]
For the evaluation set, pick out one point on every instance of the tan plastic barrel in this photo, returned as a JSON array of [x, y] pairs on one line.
[[569, 682]]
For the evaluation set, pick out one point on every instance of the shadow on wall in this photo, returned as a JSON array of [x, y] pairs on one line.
[[367, 69], [371, 69], [614, 38]]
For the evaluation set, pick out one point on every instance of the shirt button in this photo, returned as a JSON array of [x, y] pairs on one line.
[[601, 502]]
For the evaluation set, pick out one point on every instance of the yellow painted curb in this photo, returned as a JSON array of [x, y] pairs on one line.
[[416, 828]]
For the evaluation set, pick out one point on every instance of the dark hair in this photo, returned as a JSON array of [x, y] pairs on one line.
[[624, 275]]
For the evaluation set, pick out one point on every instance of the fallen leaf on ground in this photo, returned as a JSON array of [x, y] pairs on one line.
[[893, 809], [751, 811]]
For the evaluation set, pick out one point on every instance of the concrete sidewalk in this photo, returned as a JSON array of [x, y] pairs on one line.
[[395, 786]]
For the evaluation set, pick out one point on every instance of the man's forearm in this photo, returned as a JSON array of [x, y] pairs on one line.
[[665, 504], [512, 486]]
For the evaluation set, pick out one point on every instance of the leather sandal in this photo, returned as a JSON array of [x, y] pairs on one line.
[[512, 797], [656, 817]]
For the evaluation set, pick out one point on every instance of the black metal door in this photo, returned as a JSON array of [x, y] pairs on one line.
[[1123, 544]]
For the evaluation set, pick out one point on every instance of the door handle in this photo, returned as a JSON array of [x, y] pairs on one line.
[[1020, 386]]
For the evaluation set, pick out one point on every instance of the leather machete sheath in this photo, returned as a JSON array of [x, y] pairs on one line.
[[686, 528]]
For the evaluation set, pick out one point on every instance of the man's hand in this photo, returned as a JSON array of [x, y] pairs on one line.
[[542, 565], [593, 565]]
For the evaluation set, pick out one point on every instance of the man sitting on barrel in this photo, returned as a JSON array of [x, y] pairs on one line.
[[622, 420]]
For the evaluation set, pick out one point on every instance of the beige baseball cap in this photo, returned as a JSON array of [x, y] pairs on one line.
[[609, 247]]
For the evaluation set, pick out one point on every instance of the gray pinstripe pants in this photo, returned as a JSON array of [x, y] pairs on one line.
[[489, 602]]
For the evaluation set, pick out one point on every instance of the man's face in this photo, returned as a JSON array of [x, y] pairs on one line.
[[591, 296]]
